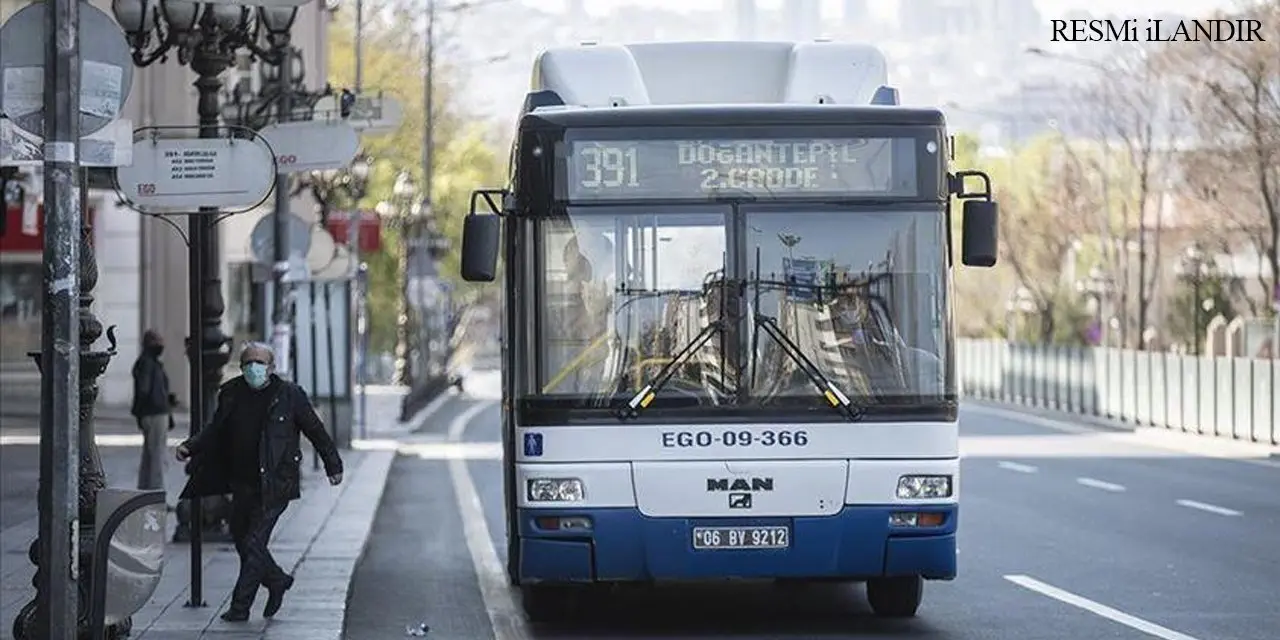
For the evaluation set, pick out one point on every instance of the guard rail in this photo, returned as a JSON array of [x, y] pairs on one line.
[[1213, 396]]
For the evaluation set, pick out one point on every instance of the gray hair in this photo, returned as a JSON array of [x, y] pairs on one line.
[[258, 346]]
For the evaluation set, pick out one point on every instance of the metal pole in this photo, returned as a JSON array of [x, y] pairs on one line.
[[1195, 317], [428, 101], [354, 220], [280, 317], [315, 366], [59, 502], [362, 327], [207, 347], [413, 321], [195, 355], [359, 45], [328, 347], [428, 192]]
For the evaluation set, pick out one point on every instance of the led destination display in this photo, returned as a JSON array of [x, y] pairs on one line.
[[674, 169]]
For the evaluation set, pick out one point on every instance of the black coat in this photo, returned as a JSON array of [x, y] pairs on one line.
[[290, 415], [150, 388]]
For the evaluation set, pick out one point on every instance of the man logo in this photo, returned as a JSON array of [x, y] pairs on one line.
[[739, 501], [739, 484]]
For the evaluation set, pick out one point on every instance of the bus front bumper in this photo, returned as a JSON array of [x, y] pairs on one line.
[[623, 545]]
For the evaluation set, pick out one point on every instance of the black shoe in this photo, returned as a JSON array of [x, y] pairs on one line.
[[236, 615], [275, 596]]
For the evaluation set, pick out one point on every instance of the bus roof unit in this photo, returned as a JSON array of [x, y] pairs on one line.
[[721, 73]]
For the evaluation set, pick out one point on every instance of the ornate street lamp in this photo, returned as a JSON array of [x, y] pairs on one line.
[[1097, 286], [1195, 268], [91, 477], [204, 37], [351, 182], [1020, 303], [403, 209], [327, 187]]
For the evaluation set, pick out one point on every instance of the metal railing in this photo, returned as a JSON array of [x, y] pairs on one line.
[[1215, 396]]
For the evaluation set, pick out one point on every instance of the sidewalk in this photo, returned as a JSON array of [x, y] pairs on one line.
[[320, 539]]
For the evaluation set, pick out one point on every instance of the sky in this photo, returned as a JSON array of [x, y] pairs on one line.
[[885, 8]]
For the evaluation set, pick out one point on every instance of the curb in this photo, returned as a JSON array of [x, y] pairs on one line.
[[333, 554], [1205, 445], [1103, 422], [343, 541], [11, 410], [1045, 412]]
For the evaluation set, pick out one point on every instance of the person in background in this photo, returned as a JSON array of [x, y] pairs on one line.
[[251, 449], [152, 407]]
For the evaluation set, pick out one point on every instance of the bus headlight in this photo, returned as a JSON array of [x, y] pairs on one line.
[[924, 487], [555, 490]]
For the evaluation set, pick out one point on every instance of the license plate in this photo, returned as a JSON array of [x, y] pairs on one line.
[[741, 537]]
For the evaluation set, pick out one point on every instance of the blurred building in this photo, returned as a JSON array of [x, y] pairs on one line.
[[744, 19], [804, 19]]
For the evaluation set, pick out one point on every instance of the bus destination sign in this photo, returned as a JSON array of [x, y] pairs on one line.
[[679, 169]]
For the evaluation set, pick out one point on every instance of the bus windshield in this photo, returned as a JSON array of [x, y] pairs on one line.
[[860, 292], [623, 294]]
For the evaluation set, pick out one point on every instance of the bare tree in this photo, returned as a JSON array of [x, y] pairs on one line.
[[1139, 114], [1232, 94]]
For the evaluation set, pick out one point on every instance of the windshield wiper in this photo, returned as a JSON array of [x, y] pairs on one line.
[[829, 390], [649, 391]]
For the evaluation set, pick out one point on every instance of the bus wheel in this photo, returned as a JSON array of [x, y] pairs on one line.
[[896, 597], [546, 603]]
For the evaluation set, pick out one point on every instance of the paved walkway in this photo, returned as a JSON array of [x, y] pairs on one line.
[[319, 539]]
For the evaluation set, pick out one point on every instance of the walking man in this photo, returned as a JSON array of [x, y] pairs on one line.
[[152, 403], [251, 449]]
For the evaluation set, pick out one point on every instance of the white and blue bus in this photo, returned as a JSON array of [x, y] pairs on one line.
[[728, 335]]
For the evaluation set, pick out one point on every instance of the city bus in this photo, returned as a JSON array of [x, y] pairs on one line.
[[728, 341]]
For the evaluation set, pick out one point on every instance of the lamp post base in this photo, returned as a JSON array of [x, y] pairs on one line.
[[25, 624], [92, 365]]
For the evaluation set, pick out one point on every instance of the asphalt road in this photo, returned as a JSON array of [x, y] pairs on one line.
[[1067, 533]]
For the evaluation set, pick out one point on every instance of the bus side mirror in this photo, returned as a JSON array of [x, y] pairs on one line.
[[480, 235], [980, 233]]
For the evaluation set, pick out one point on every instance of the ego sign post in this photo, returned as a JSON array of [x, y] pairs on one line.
[[313, 145], [184, 174]]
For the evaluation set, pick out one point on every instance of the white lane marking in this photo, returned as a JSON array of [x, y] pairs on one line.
[[108, 440], [1016, 466], [504, 616], [458, 427], [1100, 484], [1097, 608], [1201, 446], [420, 419], [454, 450], [1204, 506]]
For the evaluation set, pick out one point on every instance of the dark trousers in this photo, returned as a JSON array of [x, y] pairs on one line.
[[251, 526]]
